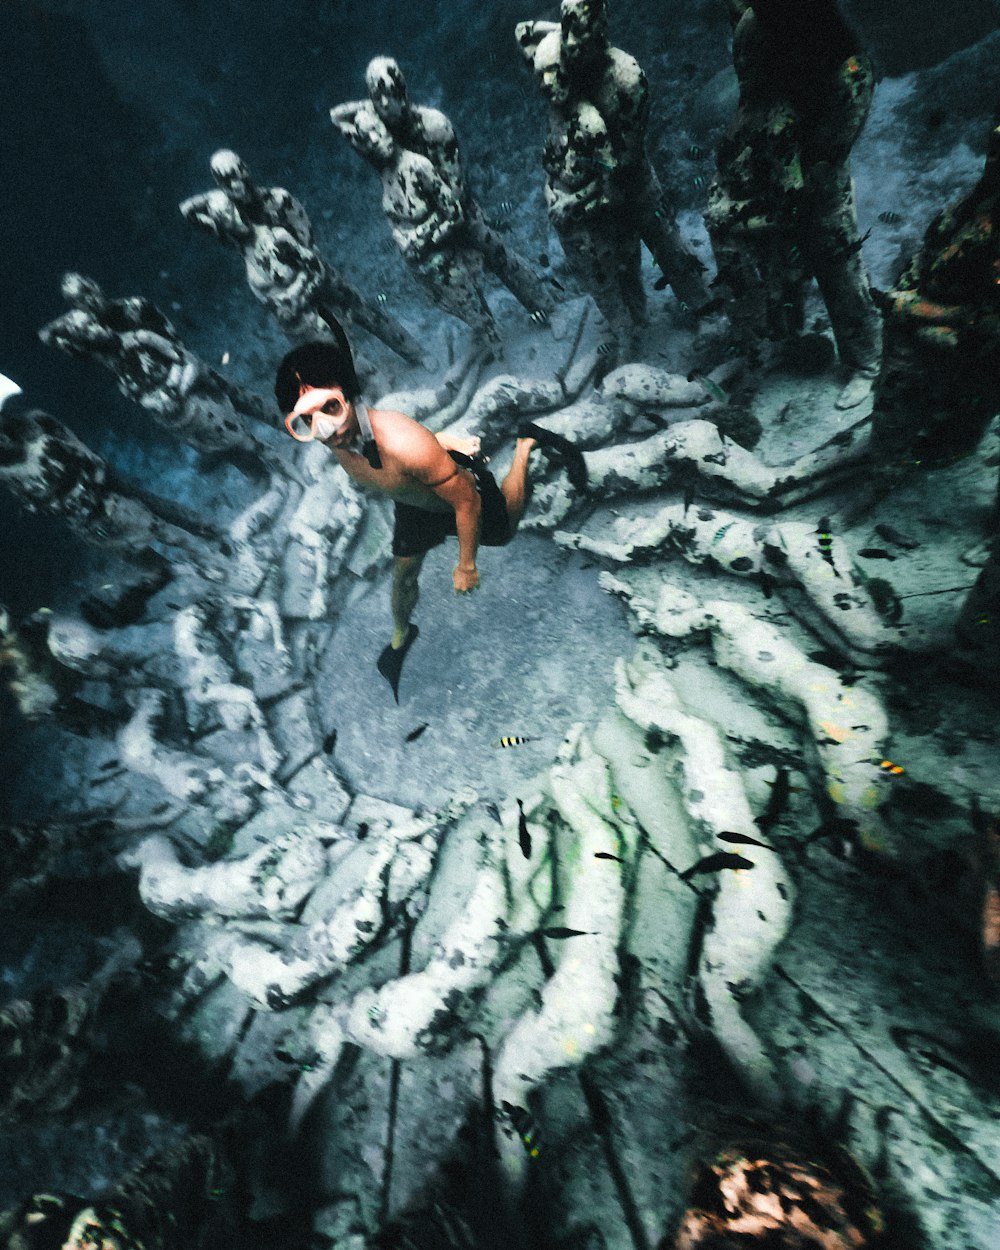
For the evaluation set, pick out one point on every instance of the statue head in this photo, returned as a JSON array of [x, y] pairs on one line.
[[584, 25], [83, 293], [233, 178], [387, 90], [550, 70]]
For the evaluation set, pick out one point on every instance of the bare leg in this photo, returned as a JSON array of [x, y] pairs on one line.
[[515, 485], [405, 593]]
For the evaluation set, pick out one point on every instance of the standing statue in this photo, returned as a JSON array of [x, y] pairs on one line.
[[583, 67], [426, 219], [152, 367], [782, 207], [939, 386], [468, 242], [48, 469], [285, 271], [601, 250], [178, 1197]]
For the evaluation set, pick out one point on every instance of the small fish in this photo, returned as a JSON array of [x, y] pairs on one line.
[[108, 586], [889, 217], [893, 535], [225, 358], [714, 863], [330, 741], [539, 316], [512, 741], [608, 855], [494, 811], [381, 297], [875, 553], [558, 933], [103, 768], [523, 836], [742, 839], [362, 831], [721, 532], [414, 734], [825, 543], [776, 800], [524, 1125], [605, 349], [713, 388], [506, 206], [889, 769]]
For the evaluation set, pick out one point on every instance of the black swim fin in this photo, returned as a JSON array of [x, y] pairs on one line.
[[390, 662], [570, 455]]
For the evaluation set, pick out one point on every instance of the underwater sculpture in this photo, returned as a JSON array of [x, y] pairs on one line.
[[48, 469], [47, 1040], [153, 368], [425, 216], [438, 226], [782, 207], [939, 385], [172, 1199], [603, 194], [270, 229]]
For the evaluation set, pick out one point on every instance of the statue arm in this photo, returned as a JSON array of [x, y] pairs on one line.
[[213, 213], [283, 210], [529, 35]]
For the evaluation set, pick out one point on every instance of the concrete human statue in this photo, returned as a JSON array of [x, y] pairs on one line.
[[154, 369], [439, 488], [48, 469], [425, 216], [782, 208], [427, 132], [602, 249], [131, 312], [272, 232], [612, 81]]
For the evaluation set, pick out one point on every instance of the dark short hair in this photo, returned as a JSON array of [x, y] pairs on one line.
[[316, 364]]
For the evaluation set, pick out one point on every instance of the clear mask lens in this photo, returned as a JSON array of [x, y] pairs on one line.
[[306, 426]]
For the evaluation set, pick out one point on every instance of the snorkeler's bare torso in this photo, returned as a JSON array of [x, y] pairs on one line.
[[408, 453]]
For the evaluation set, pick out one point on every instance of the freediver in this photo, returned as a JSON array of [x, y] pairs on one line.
[[440, 485]]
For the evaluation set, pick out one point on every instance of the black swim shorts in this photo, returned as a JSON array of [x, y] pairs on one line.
[[417, 530]]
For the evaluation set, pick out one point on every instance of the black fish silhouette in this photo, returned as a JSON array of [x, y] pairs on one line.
[[523, 836], [608, 855], [559, 932], [742, 839], [716, 862], [330, 741], [414, 734]]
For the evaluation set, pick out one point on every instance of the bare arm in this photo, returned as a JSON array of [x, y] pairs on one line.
[[425, 461]]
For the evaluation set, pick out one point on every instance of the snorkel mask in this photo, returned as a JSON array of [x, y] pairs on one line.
[[306, 427]]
